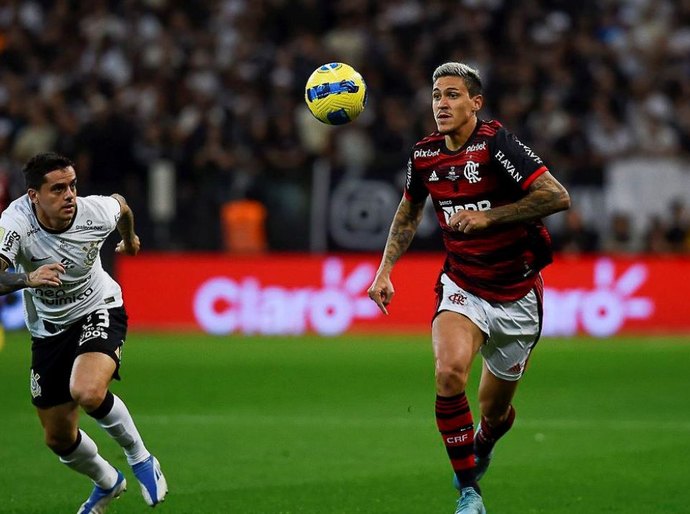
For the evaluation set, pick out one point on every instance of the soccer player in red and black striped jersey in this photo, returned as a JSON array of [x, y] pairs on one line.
[[490, 192]]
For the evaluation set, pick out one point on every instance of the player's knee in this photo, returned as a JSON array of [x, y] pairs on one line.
[[88, 396], [450, 380]]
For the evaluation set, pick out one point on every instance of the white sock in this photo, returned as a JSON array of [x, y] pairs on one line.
[[86, 460], [120, 426]]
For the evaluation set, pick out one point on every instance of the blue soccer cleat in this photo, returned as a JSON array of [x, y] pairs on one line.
[[100, 498], [150, 477], [470, 502]]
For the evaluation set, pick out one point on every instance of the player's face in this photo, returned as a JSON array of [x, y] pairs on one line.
[[56, 199], [452, 104]]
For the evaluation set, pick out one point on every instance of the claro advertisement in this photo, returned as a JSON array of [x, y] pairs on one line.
[[296, 294]]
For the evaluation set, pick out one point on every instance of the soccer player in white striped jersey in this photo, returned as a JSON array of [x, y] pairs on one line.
[[77, 320]]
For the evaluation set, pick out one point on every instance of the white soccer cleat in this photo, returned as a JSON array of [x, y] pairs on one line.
[[100, 498]]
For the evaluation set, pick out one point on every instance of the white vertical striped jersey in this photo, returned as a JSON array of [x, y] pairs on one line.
[[86, 287]]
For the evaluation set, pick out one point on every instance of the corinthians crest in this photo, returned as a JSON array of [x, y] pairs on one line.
[[471, 172]]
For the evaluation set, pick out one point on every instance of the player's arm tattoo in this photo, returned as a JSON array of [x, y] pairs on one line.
[[125, 225], [10, 282], [546, 196], [402, 231]]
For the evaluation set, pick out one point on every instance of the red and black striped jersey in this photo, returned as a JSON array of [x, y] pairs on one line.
[[492, 169]]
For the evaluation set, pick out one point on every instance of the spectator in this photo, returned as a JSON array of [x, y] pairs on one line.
[[622, 237], [131, 81], [575, 236]]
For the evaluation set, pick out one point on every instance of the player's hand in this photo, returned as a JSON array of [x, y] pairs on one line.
[[130, 247], [47, 275], [381, 292], [467, 221]]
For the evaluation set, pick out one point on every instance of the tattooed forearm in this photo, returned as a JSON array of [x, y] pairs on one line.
[[125, 225], [10, 282], [546, 196], [402, 231]]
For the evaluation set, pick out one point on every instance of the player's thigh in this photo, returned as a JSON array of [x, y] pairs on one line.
[[92, 373], [456, 340]]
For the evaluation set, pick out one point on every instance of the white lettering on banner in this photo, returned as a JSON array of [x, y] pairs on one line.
[[223, 305], [602, 311]]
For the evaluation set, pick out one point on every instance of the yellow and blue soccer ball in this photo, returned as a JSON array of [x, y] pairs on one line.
[[336, 93]]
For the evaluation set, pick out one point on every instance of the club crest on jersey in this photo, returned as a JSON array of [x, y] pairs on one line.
[[457, 299], [433, 177], [471, 172]]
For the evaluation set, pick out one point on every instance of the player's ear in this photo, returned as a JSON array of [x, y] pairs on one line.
[[478, 102], [33, 195]]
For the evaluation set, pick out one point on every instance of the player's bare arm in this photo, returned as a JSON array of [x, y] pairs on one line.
[[400, 235], [546, 196], [130, 243], [47, 275]]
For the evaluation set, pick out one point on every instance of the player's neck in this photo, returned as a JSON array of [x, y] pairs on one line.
[[457, 139], [56, 224]]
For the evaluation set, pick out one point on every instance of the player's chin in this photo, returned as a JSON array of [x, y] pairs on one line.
[[443, 128]]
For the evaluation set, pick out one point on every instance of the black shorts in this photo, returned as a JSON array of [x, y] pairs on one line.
[[52, 358]]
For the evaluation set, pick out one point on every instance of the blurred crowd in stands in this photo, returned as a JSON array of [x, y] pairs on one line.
[[215, 87]]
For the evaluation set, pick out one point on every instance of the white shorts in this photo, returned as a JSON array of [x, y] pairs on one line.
[[512, 328]]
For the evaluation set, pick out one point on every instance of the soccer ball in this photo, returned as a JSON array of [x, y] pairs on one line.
[[335, 93]]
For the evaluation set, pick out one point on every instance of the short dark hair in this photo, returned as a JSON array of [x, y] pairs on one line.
[[40, 164], [469, 75]]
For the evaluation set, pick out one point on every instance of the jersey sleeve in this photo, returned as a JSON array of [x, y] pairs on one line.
[[415, 190], [520, 164], [109, 211], [10, 239]]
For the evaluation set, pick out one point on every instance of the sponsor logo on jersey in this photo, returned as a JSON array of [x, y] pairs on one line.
[[471, 172], [32, 231], [426, 154], [89, 226], [449, 210], [509, 166], [9, 240], [60, 297], [476, 147], [67, 263], [529, 151], [433, 177], [408, 175]]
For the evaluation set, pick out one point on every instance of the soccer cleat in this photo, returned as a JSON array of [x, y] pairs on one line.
[[481, 464], [470, 502], [150, 477], [100, 498]]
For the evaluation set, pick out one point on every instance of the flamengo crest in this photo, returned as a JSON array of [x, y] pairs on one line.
[[471, 172]]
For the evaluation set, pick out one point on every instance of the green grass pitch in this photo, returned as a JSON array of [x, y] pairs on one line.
[[255, 425]]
